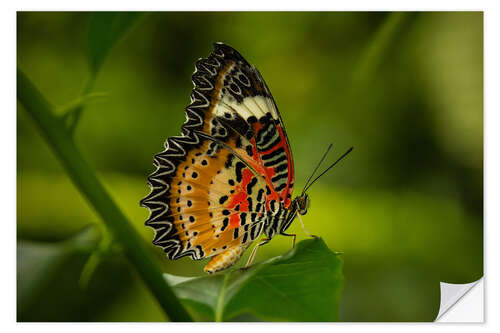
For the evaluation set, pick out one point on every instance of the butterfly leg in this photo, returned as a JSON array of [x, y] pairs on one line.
[[290, 235], [254, 252], [304, 228]]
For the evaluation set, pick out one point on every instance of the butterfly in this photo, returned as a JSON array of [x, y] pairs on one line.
[[228, 179]]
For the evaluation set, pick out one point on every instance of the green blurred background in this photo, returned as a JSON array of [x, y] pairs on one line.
[[405, 207]]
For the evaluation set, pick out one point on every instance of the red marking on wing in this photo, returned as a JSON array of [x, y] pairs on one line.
[[247, 176], [269, 172], [287, 189], [234, 221], [255, 155], [259, 167], [240, 198], [257, 126]]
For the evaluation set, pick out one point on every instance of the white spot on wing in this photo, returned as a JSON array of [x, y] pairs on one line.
[[256, 106]]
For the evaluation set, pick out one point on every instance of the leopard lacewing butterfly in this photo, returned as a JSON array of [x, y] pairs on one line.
[[229, 177]]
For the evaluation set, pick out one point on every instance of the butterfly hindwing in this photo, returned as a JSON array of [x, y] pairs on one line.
[[213, 201]]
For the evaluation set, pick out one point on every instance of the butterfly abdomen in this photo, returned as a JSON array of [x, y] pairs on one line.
[[225, 259]]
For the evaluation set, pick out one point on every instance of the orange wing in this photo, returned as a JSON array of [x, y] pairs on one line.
[[213, 203]]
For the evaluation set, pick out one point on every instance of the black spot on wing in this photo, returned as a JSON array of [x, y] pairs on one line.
[[223, 199], [278, 177], [225, 223], [272, 154], [251, 185], [274, 143], [280, 187], [276, 161], [260, 194], [229, 161], [249, 151], [243, 218], [238, 168], [281, 167]]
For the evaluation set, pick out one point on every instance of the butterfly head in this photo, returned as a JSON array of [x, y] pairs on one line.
[[298, 207], [302, 203]]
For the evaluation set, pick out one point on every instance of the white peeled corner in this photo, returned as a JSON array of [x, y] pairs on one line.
[[462, 302]]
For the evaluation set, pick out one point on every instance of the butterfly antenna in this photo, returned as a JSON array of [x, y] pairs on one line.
[[331, 166], [317, 166]]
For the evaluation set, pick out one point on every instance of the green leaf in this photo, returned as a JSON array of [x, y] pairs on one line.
[[302, 285], [104, 30]]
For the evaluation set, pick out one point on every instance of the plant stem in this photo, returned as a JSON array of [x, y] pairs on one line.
[[84, 178]]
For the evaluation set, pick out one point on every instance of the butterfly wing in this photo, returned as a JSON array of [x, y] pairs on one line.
[[217, 184]]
